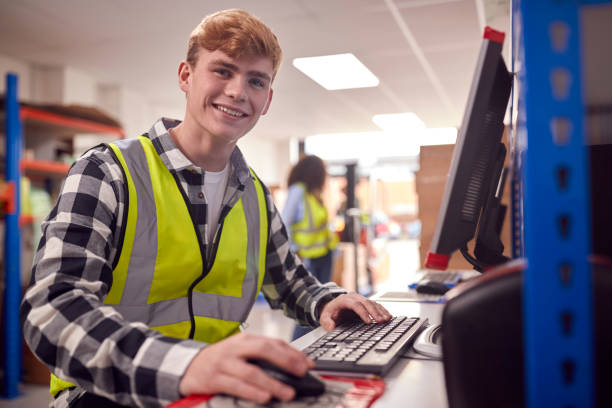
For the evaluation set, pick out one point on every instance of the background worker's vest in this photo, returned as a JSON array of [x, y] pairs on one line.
[[311, 235], [162, 268]]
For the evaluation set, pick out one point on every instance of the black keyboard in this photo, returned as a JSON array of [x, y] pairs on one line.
[[364, 348]]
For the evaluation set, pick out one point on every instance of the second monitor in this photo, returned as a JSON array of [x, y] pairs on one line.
[[476, 174]]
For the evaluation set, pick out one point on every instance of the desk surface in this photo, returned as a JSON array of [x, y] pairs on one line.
[[410, 382]]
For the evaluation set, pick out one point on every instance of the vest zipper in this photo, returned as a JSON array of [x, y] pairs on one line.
[[215, 244], [207, 263], [205, 268]]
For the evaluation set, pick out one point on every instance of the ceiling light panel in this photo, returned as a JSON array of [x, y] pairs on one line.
[[340, 71], [399, 122]]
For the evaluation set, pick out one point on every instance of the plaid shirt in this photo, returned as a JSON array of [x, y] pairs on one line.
[[81, 340]]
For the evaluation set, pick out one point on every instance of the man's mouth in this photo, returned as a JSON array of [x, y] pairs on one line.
[[229, 111]]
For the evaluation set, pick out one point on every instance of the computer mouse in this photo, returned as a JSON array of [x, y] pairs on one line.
[[305, 386], [431, 287]]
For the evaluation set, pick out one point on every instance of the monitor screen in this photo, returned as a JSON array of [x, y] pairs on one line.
[[477, 163]]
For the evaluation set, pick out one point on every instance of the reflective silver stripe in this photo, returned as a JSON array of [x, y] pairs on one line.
[[204, 304], [157, 314], [176, 310], [323, 244], [308, 211], [321, 228], [144, 250], [141, 269]]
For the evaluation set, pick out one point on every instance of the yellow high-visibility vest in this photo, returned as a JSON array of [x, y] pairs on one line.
[[311, 235], [161, 243]]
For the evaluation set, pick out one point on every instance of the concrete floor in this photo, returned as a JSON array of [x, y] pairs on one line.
[[403, 262], [31, 396]]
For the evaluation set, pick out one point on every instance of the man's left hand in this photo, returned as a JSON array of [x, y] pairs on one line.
[[346, 306]]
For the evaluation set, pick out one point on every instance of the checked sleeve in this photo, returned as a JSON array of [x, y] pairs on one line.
[[287, 283], [65, 322]]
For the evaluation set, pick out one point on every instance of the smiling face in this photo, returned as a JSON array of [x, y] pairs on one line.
[[225, 96]]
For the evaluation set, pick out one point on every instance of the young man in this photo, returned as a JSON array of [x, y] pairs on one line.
[[158, 245]]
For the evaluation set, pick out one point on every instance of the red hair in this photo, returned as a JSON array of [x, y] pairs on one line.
[[236, 33]]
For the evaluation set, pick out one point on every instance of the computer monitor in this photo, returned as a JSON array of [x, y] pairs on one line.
[[472, 193]]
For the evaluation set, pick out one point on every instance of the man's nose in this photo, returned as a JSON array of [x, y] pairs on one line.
[[236, 88]]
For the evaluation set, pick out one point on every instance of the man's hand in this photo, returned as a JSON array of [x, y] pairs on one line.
[[344, 308], [222, 368]]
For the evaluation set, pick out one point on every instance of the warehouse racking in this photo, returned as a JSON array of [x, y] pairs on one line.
[[19, 121]]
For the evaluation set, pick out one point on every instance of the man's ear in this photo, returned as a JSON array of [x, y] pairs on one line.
[[265, 110], [184, 75]]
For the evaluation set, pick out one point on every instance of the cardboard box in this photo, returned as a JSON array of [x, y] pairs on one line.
[[344, 270]]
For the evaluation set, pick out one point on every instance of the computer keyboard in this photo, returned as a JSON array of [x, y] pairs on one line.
[[364, 348]]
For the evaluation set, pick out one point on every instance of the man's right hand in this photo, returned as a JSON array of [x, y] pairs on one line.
[[223, 368]]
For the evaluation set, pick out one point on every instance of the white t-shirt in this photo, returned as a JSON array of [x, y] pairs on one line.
[[214, 189]]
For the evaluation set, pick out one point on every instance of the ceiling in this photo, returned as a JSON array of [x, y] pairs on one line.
[[423, 51]]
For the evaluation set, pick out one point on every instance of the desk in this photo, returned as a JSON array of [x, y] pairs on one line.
[[418, 383]]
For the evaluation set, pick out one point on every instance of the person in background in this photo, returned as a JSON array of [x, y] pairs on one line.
[[306, 217], [158, 246]]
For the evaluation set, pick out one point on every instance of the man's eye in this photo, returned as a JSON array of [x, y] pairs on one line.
[[258, 83], [222, 72]]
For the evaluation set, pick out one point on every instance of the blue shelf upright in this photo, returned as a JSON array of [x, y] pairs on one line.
[[12, 247], [552, 159]]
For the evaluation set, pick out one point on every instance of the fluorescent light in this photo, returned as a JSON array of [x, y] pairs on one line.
[[399, 122], [362, 146], [340, 71], [408, 123], [367, 147], [438, 136]]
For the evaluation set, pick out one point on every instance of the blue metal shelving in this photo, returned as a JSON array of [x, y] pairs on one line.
[[12, 247], [14, 122], [553, 192]]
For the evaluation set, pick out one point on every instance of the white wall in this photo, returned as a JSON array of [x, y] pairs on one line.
[[47, 84], [22, 69], [128, 107], [269, 158], [79, 88]]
